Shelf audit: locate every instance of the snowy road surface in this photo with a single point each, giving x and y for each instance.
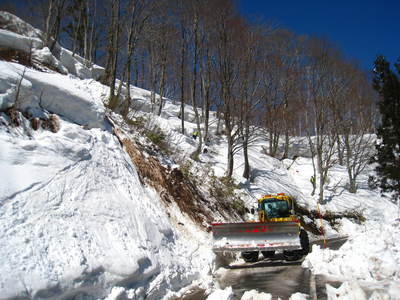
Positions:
(278, 277)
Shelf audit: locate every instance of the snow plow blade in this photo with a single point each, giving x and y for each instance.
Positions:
(256, 236)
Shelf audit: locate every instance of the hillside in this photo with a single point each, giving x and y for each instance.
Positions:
(89, 206)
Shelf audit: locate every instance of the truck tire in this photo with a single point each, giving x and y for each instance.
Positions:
(293, 255)
(298, 254)
(304, 242)
(268, 254)
(251, 256)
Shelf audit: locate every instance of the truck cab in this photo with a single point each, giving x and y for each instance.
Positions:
(275, 208)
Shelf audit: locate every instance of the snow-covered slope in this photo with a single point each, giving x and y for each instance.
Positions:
(75, 217)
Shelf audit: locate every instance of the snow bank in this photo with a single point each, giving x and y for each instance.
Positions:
(31, 46)
(53, 92)
(348, 290)
(19, 35)
(77, 65)
(299, 296)
(254, 295)
(75, 220)
(225, 294)
(352, 290)
(371, 255)
(19, 42)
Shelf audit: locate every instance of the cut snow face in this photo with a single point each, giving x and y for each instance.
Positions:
(16, 34)
(56, 93)
(369, 255)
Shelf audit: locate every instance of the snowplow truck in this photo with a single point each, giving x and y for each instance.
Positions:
(277, 229)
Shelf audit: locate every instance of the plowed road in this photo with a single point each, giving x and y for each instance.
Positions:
(275, 276)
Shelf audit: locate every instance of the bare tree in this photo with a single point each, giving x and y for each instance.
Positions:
(356, 134)
(320, 82)
(250, 92)
(110, 75)
(55, 14)
(195, 32)
(139, 13)
(206, 66)
(273, 118)
(228, 26)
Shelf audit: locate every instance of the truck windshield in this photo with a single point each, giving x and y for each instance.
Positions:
(276, 208)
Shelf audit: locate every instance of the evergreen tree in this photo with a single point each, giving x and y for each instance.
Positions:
(387, 83)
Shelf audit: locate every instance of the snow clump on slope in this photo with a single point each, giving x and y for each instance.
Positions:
(16, 34)
(60, 94)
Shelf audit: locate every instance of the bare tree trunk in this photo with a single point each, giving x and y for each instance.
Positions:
(85, 7)
(273, 141)
(183, 55)
(313, 179)
(270, 143)
(321, 177)
(206, 88)
(55, 31)
(136, 64)
(48, 19)
(92, 37)
(246, 171)
(286, 147)
(195, 62)
(143, 74)
(230, 141)
(115, 26)
(162, 85)
(217, 130)
(339, 151)
(75, 42)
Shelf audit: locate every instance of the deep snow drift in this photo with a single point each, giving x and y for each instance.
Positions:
(76, 220)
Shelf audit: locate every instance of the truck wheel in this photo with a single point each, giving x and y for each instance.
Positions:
(251, 256)
(304, 242)
(268, 254)
(293, 255)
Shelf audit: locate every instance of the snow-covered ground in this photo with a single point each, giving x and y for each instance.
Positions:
(76, 220)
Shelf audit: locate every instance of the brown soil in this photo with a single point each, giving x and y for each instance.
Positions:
(171, 184)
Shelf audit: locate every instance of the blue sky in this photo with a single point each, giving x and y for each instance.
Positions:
(362, 29)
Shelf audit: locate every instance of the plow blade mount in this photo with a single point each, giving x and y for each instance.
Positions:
(256, 236)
